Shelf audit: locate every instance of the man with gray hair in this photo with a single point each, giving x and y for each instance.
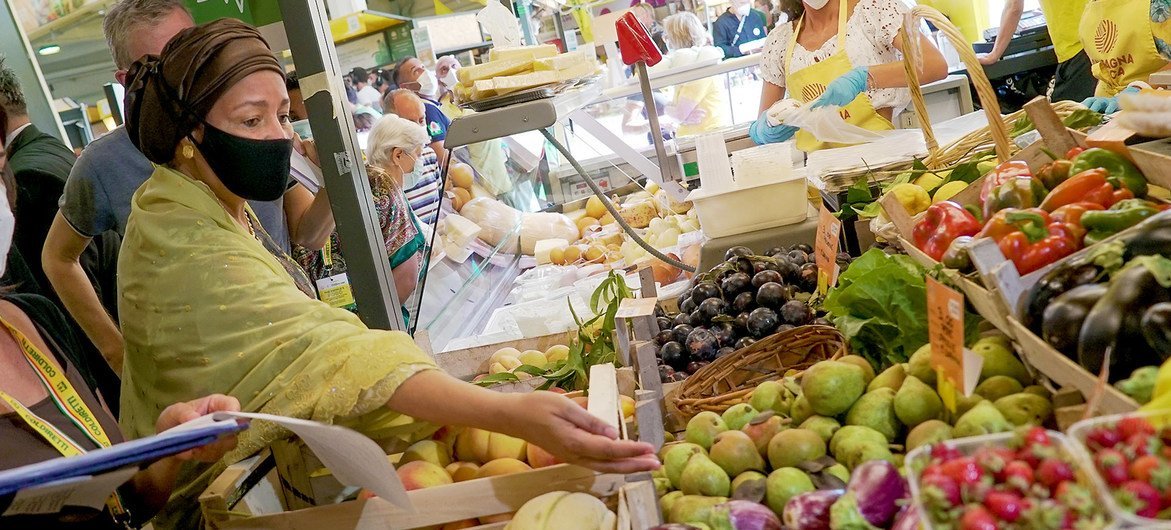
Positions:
(98, 193)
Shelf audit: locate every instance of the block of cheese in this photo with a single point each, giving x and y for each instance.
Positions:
(560, 62)
(545, 246)
(470, 74)
(522, 52)
(484, 88)
(577, 71)
(514, 83)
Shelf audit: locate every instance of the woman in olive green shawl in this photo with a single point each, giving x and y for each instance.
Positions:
(205, 308)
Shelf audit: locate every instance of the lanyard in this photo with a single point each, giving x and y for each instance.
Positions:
(69, 402)
(740, 28)
(327, 254)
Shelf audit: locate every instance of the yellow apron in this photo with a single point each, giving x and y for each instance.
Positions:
(1118, 40)
(807, 84)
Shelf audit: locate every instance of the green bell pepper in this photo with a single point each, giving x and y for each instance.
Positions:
(1122, 173)
(1101, 224)
(1021, 192)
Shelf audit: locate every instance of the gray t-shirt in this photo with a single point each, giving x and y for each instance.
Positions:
(105, 177)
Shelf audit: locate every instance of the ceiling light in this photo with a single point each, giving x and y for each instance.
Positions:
(48, 49)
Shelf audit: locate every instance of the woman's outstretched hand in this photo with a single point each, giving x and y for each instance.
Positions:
(558, 425)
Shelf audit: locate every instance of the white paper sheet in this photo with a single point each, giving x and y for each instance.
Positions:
(88, 491)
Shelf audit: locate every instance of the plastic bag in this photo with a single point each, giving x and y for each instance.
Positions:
(827, 125)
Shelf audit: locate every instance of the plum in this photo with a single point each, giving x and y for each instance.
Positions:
(702, 344)
(736, 252)
(664, 323)
(724, 332)
(766, 276)
(681, 319)
(808, 278)
(798, 257)
(673, 355)
(761, 322)
(724, 351)
(784, 327)
(790, 273)
(774, 251)
(796, 313)
(712, 307)
(681, 331)
(803, 248)
(693, 367)
(687, 306)
(743, 264)
(664, 337)
(735, 283)
(704, 290)
(743, 302)
(744, 342)
(740, 323)
(772, 295)
(696, 318)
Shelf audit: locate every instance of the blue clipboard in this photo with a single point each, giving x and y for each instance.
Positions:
(139, 453)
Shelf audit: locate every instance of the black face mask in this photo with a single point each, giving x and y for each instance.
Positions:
(256, 170)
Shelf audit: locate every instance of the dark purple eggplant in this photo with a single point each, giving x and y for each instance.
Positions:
(1053, 284)
(1062, 321)
(1116, 322)
(810, 511)
(1156, 326)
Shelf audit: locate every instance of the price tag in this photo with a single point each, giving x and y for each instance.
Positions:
(335, 291)
(958, 369)
(825, 249)
(636, 307)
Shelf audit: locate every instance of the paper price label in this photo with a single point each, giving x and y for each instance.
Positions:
(958, 368)
(335, 291)
(825, 249)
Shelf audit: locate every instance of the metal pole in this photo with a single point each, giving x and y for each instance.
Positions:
(341, 163)
(652, 115)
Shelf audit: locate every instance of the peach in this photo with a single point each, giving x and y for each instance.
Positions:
(538, 457)
(420, 474)
(502, 466)
(627, 403)
(502, 446)
(437, 453)
(470, 444)
(461, 471)
(582, 400)
(447, 434)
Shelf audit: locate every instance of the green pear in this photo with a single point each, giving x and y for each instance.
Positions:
(703, 428)
(668, 500)
(676, 458)
(801, 410)
(784, 484)
(877, 411)
(704, 477)
(690, 509)
(998, 386)
(750, 486)
(832, 387)
(928, 432)
(840, 471)
(735, 453)
(860, 362)
(1000, 360)
(762, 428)
(770, 395)
(1024, 409)
(823, 426)
(738, 416)
(891, 378)
(850, 434)
(920, 365)
(984, 418)
(965, 403)
(856, 454)
(916, 403)
(1038, 390)
(662, 486)
(793, 447)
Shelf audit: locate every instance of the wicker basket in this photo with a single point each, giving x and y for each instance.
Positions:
(730, 379)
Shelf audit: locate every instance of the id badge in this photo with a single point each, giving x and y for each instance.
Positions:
(335, 291)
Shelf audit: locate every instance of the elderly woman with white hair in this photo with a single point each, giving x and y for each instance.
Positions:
(393, 161)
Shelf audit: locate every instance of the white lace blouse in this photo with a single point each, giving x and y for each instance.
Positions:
(870, 37)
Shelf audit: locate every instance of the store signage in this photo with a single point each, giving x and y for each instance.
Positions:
(958, 369)
(825, 250)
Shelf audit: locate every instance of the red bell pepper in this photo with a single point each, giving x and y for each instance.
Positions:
(1038, 242)
(1073, 152)
(1003, 173)
(1017, 192)
(1071, 215)
(1088, 186)
(940, 225)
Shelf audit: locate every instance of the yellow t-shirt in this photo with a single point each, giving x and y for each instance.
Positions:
(1062, 17)
(970, 16)
(712, 100)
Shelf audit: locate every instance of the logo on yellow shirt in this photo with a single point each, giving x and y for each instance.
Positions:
(812, 91)
(1106, 36)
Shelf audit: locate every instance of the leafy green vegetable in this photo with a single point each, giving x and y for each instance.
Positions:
(1079, 119)
(880, 305)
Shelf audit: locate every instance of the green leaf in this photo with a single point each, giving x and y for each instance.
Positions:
(1023, 125)
(966, 172)
(1082, 119)
(918, 165)
(859, 192)
(871, 211)
(530, 369)
(502, 377)
(847, 213)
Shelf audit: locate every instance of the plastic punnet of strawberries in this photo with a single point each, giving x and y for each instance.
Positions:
(1134, 461)
(1030, 483)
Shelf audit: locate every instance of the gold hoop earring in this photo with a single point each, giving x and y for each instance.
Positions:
(188, 151)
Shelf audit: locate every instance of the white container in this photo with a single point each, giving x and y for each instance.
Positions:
(1078, 432)
(737, 211)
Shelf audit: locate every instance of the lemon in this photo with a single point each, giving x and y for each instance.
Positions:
(949, 190)
(985, 167)
(594, 207)
(930, 181)
(913, 197)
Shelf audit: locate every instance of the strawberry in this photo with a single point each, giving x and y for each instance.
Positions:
(1112, 465)
(1142, 467)
(1142, 444)
(1052, 471)
(1007, 506)
(963, 470)
(940, 490)
(1018, 474)
(1103, 438)
(942, 452)
(977, 517)
(993, 461)
(1139, 497)
(1131, 426)
(1078, 498)
(1037, 436)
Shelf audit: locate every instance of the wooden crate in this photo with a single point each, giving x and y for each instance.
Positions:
(469, 362)
(1063, 371)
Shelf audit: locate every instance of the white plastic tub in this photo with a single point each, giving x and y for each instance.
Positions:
(780, 203)
(1078, 433)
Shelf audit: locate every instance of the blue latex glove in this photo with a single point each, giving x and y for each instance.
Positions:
(763, 133)
(1107, 105)
(843, 90)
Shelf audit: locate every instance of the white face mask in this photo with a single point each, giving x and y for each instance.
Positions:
(816, 4)
(428, 86)
(450, 79)
(742, 11)
(7, 228)
(412, 177)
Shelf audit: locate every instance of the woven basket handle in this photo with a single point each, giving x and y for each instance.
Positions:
(913, 59)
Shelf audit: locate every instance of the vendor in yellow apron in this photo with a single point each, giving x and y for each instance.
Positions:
(1118, 40)
(807, 84)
